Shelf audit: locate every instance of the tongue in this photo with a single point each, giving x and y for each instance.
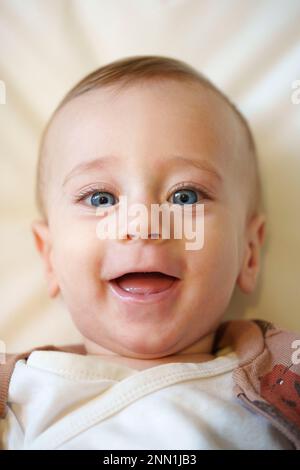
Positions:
(145, 283)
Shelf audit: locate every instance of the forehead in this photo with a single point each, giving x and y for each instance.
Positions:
(142, 123)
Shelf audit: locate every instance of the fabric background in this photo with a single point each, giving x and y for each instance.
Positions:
(248, 48)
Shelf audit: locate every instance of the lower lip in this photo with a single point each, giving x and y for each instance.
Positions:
(129, 297)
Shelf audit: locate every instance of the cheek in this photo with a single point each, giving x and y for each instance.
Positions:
(77, 257)
(216, 264)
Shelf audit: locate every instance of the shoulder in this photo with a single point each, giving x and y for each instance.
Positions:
(9, 360)
(267, 379)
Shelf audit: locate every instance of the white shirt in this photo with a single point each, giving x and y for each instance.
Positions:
(60, 400)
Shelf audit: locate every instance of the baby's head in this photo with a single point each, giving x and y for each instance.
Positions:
(154, 130)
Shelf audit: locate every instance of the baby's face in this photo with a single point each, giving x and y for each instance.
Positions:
(144, 128)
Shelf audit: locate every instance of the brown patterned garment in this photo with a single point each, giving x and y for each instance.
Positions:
(267, 380)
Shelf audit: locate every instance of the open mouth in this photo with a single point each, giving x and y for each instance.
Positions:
(144, 283)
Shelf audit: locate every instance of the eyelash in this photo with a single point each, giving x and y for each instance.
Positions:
(90, 190)
(84, 193)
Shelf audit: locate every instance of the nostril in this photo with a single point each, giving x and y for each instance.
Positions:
(153, 236)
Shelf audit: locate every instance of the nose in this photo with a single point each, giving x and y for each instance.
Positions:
(143, 231)
(142, 225)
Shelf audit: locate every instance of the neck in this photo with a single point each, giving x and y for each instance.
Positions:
(200, 351)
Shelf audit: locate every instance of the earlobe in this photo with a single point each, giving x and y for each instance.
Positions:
(42, 238)
(250, 268)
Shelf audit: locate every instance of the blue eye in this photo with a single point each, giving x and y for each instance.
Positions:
(185, 196)
(102, 199)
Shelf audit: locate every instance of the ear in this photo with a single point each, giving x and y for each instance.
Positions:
(251, 263)
(41, 233)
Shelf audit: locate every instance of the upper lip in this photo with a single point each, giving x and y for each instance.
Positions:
(155, 267)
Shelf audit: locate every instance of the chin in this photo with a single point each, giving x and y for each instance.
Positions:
(140, 347)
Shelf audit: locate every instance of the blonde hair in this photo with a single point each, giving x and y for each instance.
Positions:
(137, 69)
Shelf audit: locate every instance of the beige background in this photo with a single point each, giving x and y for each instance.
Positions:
(249, 48)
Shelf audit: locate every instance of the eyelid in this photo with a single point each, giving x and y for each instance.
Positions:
(190, 186)
(92, 188)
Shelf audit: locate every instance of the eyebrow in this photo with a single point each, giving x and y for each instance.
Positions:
(97, 164)
(200, 164)
(106, 161)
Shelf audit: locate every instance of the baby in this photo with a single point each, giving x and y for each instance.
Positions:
(157, 368)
